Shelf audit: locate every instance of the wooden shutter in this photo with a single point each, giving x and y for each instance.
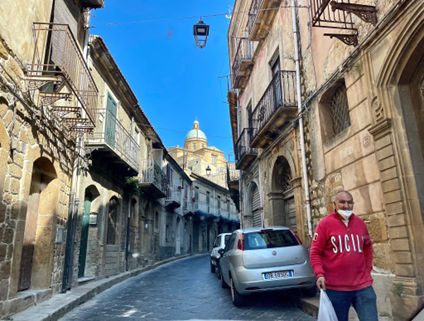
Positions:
(256, 204)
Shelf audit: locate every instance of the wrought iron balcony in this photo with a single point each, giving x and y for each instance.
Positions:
(187, 206)
(324, 15)
(277, 105)
(112, 140)
(243, 63)
(58, 70)
(173, 197)
(245, 155)
(153, 180)
(233, 177)
(261, 15)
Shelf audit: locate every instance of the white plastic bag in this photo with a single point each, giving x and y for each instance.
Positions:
(326, 310)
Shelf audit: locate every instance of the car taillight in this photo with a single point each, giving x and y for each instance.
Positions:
(267, 230)
(296, 237)
(240, 243)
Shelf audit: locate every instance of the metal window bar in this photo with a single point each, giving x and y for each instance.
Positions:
(57, 54)
(253, 12)
(281, 92)
(340, 110)
(323, 16)
(109, 130)
(152, 173)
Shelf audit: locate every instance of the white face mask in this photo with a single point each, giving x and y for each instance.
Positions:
(345, 213)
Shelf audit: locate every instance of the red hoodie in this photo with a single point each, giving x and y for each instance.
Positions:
(342, 254)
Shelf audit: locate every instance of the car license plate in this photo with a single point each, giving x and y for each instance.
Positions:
(278, 275)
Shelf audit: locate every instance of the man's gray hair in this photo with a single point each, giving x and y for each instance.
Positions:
(340, 192)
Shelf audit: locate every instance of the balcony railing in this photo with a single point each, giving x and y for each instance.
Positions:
(153, 179)
(57, 59)
(261, 15)
(110, 131)
(338, 15)
(245, 155)
(233, 175)
(279, 102)
(253, 12)
(173, 196)
(243, 61)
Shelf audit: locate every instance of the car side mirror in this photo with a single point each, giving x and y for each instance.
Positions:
(221, 251)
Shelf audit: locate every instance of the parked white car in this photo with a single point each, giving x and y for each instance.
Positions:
(219, 243)
(265, 259)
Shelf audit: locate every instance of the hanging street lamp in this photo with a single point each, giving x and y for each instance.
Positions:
(201, 33)
(208, 171)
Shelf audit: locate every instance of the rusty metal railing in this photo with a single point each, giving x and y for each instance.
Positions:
(245, 51)
(281, 92)
(57, 55)
(109, 130)
(253, 12)
(152, 173)
(324, 16)
(242, 145)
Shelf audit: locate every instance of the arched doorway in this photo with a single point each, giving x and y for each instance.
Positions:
(90, 194)
(36, 259)
(283, 209)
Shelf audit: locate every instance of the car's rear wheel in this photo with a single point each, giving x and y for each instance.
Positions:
(310, 292)
(237, 298)
(223, 284)
(212, 268)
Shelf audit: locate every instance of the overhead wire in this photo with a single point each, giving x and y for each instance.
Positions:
(183, 18)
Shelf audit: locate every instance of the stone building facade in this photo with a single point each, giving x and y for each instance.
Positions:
(362, 100)
(38, 144)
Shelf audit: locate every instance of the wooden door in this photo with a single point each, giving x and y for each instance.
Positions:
(84, 233)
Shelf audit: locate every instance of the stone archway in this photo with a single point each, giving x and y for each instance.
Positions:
(281, 197)
(398, 117)
(38, 242)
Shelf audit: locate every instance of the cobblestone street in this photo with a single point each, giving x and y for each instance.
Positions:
(183, 290)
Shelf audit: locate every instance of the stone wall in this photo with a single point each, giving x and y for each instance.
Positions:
(29, 145)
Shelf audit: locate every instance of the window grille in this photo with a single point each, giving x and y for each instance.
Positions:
(286, 178)
(339, 110)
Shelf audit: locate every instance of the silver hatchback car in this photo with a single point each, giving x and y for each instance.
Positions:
(265, 259)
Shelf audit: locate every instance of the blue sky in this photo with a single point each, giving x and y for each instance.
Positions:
(173, 80)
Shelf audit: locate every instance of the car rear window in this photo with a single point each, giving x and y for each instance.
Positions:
(269, 239)
(227, 237)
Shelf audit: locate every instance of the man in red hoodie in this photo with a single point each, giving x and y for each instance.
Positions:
(341, 257)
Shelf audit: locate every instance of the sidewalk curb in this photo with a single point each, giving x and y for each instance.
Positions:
(310, 306)
(61, 304)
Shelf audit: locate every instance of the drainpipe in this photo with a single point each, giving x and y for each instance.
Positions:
(302, 136)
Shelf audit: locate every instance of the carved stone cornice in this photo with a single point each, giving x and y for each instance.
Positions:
(381, 129)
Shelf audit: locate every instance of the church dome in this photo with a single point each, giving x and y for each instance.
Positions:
(196, 132)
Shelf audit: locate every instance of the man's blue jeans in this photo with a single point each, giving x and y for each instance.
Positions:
(364, 301)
